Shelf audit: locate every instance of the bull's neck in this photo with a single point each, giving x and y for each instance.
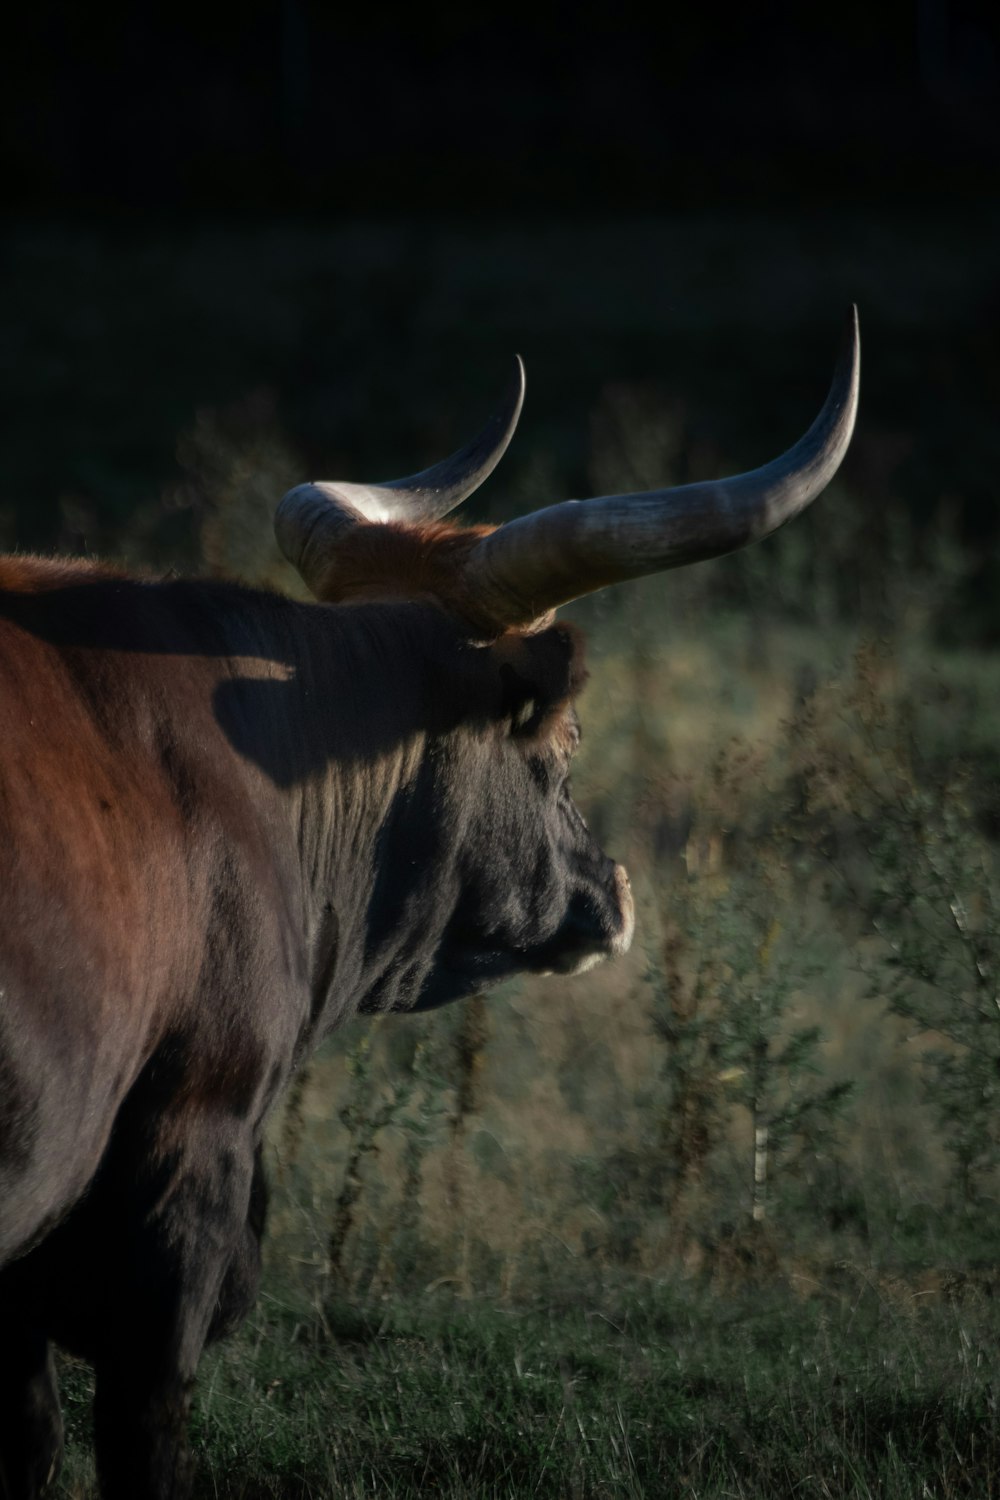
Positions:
(361, 716)
(344, 821)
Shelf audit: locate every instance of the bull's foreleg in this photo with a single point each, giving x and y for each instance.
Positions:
(242, 1279)
(31, 1426)
(179, 1258)
(140, 1433)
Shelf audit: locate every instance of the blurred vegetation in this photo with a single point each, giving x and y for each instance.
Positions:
(722, 1215)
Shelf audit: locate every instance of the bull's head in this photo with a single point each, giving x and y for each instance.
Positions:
(546, 897)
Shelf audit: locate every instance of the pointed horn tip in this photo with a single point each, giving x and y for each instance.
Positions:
(852, 328)
(847, 372)
(508, 414)
(519, 381)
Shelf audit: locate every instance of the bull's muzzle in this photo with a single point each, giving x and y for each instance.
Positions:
(621, 940)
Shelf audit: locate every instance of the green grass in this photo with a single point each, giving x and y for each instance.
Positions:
(866, 1388)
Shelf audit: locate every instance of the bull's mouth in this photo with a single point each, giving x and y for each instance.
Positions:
(460, 971)
(622, 940)
(599, 924)
(595, 928)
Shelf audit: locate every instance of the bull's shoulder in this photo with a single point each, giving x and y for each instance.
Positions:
(29, 574)
(98, 608)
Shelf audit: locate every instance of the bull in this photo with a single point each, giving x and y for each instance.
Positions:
(230, 821)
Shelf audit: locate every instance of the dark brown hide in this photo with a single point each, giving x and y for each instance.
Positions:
(227, 822)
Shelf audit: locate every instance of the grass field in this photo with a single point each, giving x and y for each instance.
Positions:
(846, 1385)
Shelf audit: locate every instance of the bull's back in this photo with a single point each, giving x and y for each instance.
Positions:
(95, 891)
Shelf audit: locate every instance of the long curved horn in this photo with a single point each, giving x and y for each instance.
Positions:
(312, 518)
(534, 564)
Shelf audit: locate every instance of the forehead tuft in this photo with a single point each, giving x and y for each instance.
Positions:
(395, 560)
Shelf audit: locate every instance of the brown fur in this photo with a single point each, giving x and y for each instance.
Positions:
(396, 560)
(28, 574)
(228, 822)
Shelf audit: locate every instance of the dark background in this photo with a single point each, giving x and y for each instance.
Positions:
(340, 110)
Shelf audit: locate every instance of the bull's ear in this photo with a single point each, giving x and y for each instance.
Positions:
(538, 675)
